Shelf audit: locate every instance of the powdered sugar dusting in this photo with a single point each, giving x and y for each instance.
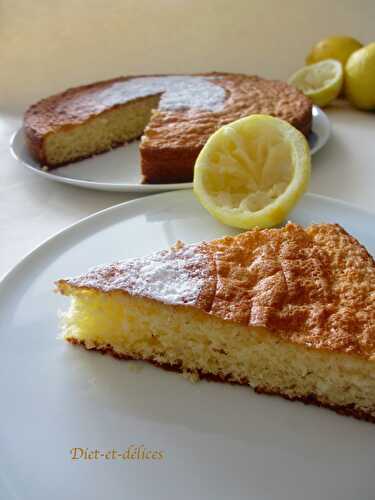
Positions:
(178, 92)
(173, 277)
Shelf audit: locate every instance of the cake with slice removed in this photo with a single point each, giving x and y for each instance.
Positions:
(174, 115)
(288, 311)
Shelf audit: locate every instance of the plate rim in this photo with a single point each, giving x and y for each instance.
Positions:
(93, 185)
(327, 123)
(142, 188)
(139, 201)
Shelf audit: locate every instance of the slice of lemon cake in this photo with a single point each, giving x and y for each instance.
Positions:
(288, 311)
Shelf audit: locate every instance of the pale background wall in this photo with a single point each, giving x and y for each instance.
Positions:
(47, 45)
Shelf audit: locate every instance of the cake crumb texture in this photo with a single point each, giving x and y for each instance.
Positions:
(314, 287)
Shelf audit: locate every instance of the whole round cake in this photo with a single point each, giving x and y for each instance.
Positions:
(172, 114)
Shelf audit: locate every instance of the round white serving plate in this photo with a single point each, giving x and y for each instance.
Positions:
(219, 441)
(119, 169)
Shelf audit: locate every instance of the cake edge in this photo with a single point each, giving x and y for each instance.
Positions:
(311, 399)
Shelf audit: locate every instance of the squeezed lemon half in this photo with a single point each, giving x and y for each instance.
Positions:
(252, 172)
(322, 82)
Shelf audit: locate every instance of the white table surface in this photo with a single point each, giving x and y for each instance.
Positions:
(32, 209)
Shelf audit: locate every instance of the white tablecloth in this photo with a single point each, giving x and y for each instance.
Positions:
(32, 209)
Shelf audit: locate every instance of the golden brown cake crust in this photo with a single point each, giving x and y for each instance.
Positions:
(348, 410)
(173, 137)
(176, 138)
(313, 287)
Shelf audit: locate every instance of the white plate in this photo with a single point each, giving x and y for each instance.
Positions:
(119, 169)
(220, 441)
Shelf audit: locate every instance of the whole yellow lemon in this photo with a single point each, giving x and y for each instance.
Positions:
(360, 78)
(333, 47)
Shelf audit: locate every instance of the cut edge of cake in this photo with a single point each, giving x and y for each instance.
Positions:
(98, 134)
(277, 367)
